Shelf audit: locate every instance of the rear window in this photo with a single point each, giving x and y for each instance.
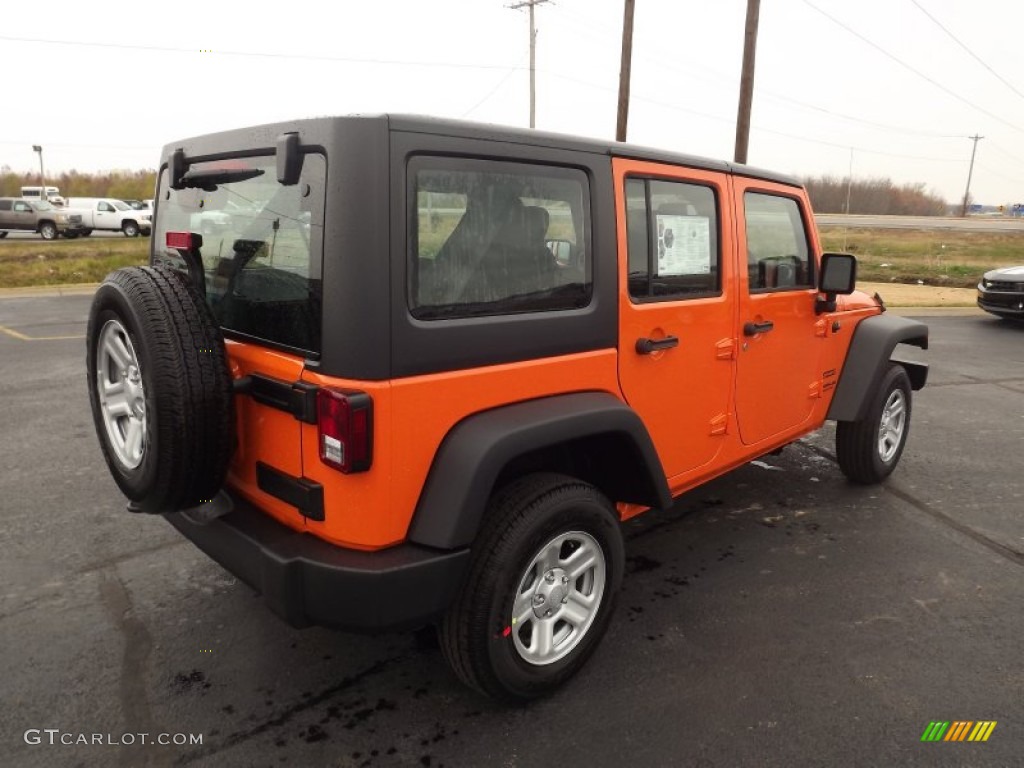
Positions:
(262, 247)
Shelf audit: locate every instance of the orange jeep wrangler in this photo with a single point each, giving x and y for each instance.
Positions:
(393, 371)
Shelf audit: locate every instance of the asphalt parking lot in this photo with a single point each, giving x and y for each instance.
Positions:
(776, 617)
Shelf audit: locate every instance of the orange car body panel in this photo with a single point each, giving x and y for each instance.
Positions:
(699, 401)
(372, 510)
(265, 434)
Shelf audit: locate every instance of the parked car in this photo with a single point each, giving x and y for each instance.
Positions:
(105, 213)
(432, 367)
(19, 214)
(1001, 292)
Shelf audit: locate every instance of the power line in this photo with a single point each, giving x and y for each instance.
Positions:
(884, 127)
(917, 72)
(494, 90)
(1002, 176)
(998, 148)
(717, 76)
(973, 55)
(256, 54)
(731, 121)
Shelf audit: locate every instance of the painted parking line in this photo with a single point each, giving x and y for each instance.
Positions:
(22, 337)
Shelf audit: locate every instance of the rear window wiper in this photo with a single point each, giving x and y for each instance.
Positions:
(209, 179)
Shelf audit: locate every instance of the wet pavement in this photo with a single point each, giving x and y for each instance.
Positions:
(777, 616)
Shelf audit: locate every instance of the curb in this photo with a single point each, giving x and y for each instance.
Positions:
(87, 289)
(49, 291)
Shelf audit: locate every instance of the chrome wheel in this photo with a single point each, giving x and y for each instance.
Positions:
(121, 395)
(892, 425)
(558, 597)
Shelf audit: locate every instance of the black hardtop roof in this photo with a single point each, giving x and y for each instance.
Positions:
(314, 130)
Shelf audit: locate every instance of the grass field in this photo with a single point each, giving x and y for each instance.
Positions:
(935, 257)
(60, 262)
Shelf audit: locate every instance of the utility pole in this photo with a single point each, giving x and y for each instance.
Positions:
(533, 55)
(747, 81)
(967, 192)
(624, 73)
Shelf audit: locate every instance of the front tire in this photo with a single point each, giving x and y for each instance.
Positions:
(540, 591)
(130, 229)
(48, 230)
(869, 450)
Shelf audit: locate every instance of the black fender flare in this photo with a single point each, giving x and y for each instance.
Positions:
(474, 453)
(869, 354)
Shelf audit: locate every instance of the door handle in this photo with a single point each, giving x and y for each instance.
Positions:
(752, 329)
(647, 346)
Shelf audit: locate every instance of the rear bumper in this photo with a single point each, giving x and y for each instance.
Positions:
(306, 581)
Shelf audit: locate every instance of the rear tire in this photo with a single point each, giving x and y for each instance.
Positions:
(869, 450)
(540, 591)
(3, 235)
(159, 388)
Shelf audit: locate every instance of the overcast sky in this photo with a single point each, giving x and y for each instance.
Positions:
(878, 82)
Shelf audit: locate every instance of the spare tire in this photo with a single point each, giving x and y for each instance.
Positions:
(160, 389)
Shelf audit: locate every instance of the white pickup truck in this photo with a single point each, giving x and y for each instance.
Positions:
(107, 213)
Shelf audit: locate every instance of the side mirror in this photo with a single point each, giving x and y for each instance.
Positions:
(838, 276)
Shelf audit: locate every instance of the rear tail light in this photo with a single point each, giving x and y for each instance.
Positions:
(345, 429)
(184, 241)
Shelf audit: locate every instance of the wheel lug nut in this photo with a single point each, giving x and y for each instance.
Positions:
(538, 600)
(547, 612)
(549, 577)
(565, 600)
(565, 579)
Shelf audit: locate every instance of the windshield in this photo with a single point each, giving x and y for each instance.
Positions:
(261, 247)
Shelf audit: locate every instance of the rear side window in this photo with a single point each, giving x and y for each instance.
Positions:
(778, 257)
(262, 247)
(493, 238)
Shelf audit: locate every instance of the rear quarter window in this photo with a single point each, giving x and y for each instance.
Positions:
(494, 238)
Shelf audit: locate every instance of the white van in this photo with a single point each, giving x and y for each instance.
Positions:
(52, 195)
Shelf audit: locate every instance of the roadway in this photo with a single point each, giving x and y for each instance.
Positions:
(970, 224)
(776, 617)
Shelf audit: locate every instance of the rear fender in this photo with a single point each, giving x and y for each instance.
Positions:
(476, 453)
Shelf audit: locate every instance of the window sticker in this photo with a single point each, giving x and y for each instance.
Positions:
(684, 245)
